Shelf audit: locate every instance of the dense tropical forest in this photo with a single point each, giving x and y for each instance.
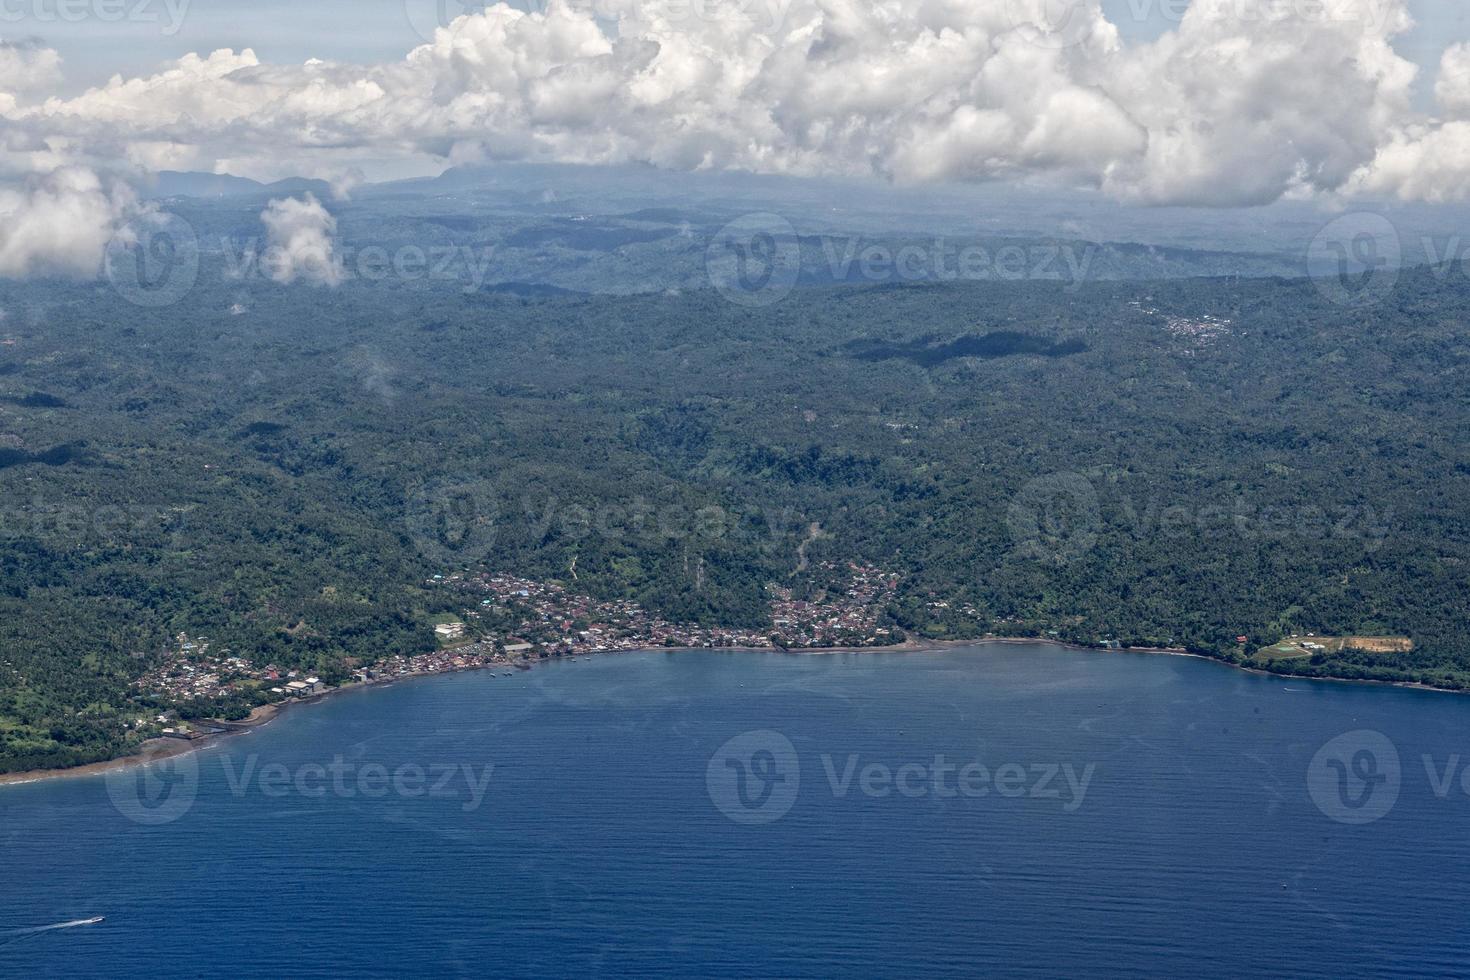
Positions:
(1179, 463)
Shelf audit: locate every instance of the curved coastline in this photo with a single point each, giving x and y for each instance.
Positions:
(151, 751)
(165, 748)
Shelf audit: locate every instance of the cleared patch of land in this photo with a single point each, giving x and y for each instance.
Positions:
(1306, 646)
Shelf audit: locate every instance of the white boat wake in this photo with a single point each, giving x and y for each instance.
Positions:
(16, 935)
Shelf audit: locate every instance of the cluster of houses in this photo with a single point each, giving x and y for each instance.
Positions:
(190, 670)
(838, 616)
(1198, 331)
(469, 656)
(549, 618)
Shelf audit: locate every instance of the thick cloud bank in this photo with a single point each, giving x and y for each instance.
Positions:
(59, 224)
(1243, 102)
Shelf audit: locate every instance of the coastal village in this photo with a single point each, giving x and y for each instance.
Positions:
(546, 620)
(552, 618)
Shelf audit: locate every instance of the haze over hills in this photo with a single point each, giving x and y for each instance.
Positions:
(496, 201)
(1169, 462)
(174, 183)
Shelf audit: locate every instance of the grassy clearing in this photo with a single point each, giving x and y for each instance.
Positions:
(1305, 646)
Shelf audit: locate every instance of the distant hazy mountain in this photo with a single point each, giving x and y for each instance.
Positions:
(526, 205)
(176, 183)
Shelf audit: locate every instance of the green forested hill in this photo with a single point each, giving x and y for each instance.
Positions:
(1165, 463)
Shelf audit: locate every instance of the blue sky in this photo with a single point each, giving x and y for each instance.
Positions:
(278, 30)
(376, 30)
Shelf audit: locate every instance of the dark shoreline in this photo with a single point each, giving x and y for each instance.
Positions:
(157, 749)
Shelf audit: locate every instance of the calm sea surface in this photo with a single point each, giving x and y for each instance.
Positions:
(1002, 810)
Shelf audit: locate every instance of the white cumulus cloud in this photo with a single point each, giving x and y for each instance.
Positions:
(299, 242)
(60, 223)
(27, 66)
(1239, 103)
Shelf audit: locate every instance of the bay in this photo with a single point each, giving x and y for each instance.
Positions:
(1013, 810)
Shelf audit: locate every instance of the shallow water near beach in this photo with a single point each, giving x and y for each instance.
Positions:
(1012, 810)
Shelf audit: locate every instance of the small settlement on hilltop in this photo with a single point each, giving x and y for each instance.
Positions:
(1195, 332)
(545, 619)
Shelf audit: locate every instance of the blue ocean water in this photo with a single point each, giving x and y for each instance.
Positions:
(1006, 810)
